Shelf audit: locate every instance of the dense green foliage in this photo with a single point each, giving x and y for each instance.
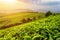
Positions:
(45, 29)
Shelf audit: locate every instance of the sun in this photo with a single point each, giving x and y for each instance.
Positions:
(10, 1)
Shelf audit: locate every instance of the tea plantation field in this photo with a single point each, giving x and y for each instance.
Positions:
(19, 18)
(43, 29)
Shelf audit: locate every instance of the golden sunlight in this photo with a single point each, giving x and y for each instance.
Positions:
(10, 1)
(12, 6)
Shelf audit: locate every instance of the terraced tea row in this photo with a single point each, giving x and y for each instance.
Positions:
(19, 18)
(45, 29)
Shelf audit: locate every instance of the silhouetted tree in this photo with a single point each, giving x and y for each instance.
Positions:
(23, 21)
(28, 20)
(48, 14)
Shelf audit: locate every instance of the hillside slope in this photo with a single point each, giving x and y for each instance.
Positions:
(19, 18)
(45, 29)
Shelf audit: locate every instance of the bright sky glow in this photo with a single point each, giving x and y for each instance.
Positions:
(50, 1)
(35, 5)
(10, 1)
(11, 6)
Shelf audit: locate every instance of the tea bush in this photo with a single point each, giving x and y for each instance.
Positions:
(45, 29)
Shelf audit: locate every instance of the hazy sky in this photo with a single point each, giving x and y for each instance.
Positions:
(44, 5)
(36, 5)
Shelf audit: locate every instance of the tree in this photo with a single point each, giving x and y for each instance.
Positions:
(23, 21)
(28, 19)
(48, 14)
